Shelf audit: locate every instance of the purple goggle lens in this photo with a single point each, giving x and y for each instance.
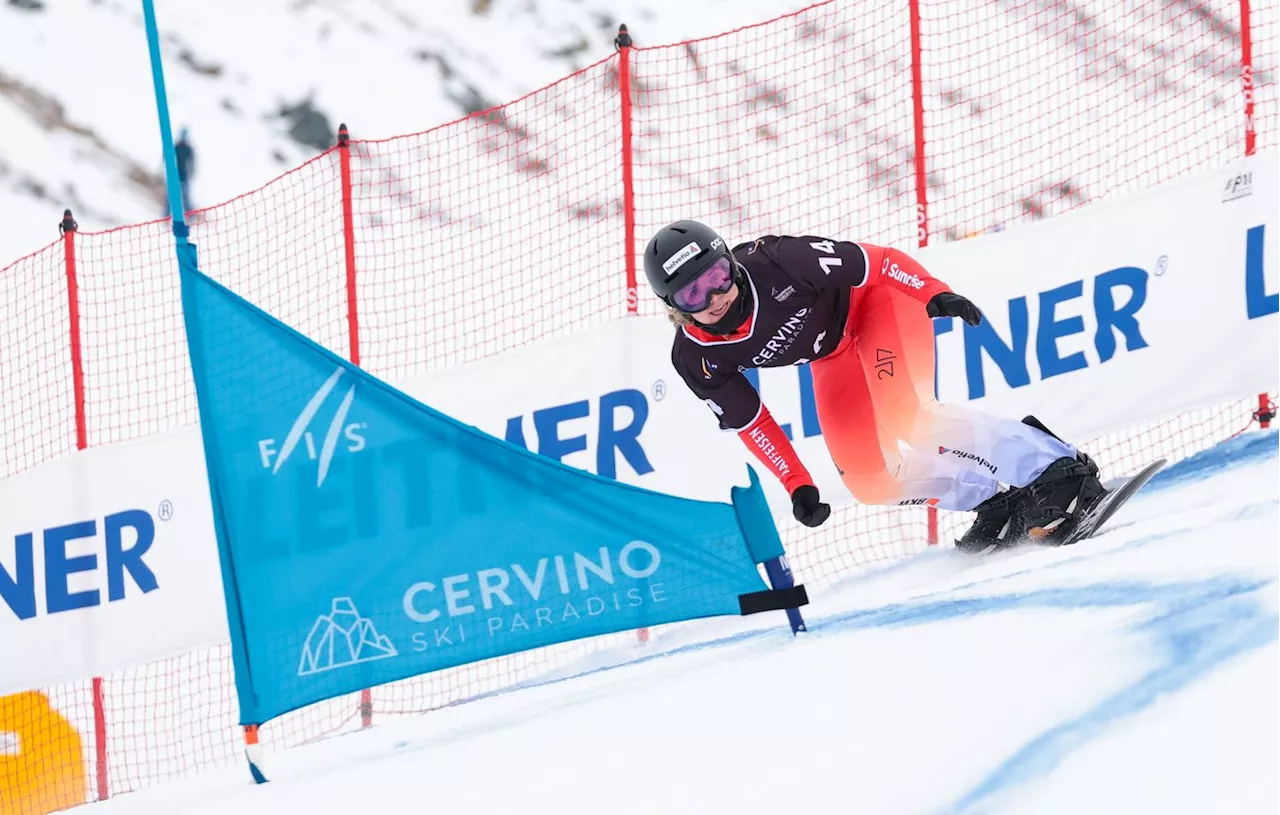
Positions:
(695, 296)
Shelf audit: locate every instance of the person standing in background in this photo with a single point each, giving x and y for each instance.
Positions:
(186, 156)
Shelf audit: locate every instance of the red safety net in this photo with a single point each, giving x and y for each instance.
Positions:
(1264, 69)
(511, 226)
(491, 232)
(1034, 130)
(38, 408)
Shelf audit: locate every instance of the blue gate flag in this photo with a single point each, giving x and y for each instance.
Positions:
(365, 537)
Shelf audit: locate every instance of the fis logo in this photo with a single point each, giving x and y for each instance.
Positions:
(899, 274)
(1238, 186)
(709, 368)
(300, 434)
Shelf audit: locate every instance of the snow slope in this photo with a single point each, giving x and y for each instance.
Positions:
(263, 85)
(1135, 672)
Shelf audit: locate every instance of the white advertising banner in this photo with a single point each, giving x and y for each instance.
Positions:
(107, 560)
(1103, 319)
(1122, 312)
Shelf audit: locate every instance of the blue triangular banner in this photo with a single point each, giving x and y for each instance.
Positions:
(365, 537)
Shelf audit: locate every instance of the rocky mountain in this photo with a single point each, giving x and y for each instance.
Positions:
(262, 85)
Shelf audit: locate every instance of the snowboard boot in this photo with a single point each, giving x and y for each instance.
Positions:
(994, 523)
(1066, 490)
(1042, 511)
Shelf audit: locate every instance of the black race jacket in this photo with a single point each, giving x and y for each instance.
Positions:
(802, 288)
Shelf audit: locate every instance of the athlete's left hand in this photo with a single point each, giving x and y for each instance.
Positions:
(950, 304)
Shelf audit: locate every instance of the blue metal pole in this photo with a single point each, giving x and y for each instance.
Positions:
(187, 262)
(172, 184)
(779, 573)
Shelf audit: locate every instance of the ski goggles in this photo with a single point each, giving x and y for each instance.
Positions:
(696, 295)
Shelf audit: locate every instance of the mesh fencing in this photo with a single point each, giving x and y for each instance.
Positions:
(508, 227)
(38, 411)
(492, 232)
(1054, 127)
(803, 120)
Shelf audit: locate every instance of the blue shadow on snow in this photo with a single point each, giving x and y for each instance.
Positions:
(1197, 625)
(1246, 448)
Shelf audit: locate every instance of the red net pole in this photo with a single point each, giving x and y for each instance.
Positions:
(366, 708)
(68, 227)
(917, 102)
(100, 736)
(1250, 142)
(353, 322)
(1246, 75)
(349, 242)
(922, 192)
(623, 43)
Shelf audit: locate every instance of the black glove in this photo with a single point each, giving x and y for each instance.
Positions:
(950, 304)
(807, 508)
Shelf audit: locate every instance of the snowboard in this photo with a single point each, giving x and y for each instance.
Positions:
(1094, 518)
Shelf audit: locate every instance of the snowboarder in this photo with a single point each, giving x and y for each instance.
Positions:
(861, 315)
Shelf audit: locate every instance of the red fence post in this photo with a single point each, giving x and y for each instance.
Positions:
(349, 243)
(100, 737)
(623, 44)
(1246, 76)
(922, 191)
(353, 322)
(917, 104)
(68, 227)
(1265, 412)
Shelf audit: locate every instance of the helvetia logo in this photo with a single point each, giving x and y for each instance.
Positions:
(353, 433)
(979, 460)
(680, 258)
(340, 638)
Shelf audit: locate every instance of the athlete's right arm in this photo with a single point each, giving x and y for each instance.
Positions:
(738, 407)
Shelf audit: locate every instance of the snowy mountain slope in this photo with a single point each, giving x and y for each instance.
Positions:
(263, 85)
(1134, 672)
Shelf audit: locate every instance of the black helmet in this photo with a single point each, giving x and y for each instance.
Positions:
(678, 253)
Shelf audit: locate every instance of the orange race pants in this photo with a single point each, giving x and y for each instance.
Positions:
(877, 390)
